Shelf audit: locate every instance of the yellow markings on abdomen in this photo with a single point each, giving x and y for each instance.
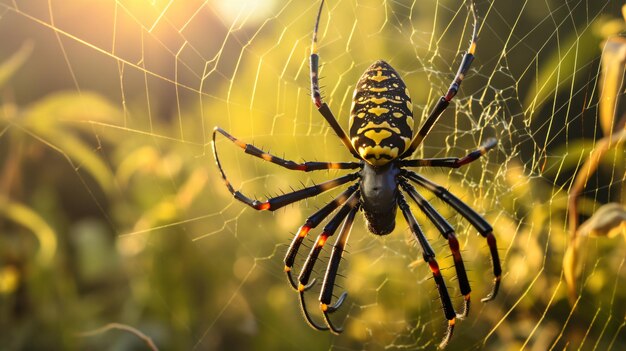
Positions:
(372, 125)
(378, 77)
(377, 152)
(378, 110)
(378, 101)
(377, 90)
(407, 141)
(410, 122)
(381, 120)
(375, 100)
(377, 137)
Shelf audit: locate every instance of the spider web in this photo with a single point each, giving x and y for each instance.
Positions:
(108, 116)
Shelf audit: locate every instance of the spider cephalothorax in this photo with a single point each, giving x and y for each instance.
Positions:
(381, 139)
(379, 194)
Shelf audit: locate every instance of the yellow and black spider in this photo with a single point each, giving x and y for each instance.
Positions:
(381, 138)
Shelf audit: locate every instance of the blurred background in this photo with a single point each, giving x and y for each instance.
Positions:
(117, 232)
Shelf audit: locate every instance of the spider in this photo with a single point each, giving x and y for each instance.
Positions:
(381, 139)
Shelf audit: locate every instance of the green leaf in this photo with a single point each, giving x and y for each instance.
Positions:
(608, 221)
(51, 119)
(30, 219)
(13, 63)
(613, 60)
(66, 107)
(81, 155)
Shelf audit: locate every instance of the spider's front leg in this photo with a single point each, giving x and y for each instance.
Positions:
(452, 162)
(277, 202)
(444, 101)
(316, 95)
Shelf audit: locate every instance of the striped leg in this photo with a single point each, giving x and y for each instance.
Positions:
(452, 162)
(294, 166)
(476, 220)
(444, 101)
(272, 204)
(307, 269)
(313, 221)
(275, 203)
(429, 257)
(447, 232)
(316, 95)
(331, 273)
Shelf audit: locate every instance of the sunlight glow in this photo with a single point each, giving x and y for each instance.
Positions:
(244, 11)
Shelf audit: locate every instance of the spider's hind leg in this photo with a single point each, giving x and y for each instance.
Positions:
(331, 273)
(307, 269)
(429, 257)
(477, 221)
(447, 232)
(313, 221)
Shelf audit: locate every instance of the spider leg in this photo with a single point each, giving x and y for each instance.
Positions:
(322, 107)
(294, 166)
(307, 269)
(274, 203)
(476, 220)
(444, 101)
(277, 202)
(447, 232)
(429, 257)
(452, 162)
(309, 224)
(331, 273)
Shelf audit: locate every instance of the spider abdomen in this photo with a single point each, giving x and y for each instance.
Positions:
(381, 119)
(379, 192)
